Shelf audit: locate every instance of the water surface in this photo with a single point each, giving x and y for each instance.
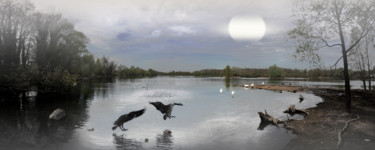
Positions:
(208, 120)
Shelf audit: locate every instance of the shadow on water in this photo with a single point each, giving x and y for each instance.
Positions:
(25, 123)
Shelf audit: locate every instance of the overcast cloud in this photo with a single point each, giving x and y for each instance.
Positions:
(182, 35)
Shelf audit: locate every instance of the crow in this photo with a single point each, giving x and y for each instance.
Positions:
(165, 109)
(126, 117)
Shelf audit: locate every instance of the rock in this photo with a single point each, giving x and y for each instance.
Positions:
(146, 140)
(92, 129)
(367, 140)
(57, 114)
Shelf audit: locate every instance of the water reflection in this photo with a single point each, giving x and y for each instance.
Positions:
(125, 143)
(164, 141)
(209, 119)
(25, 123)
(227, 83)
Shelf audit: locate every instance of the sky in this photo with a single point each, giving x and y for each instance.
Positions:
(182, 35)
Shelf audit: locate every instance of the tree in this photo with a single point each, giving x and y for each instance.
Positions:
(275, 72)
(15, 31)
(57, 42)
(227, 72)
(331, 23)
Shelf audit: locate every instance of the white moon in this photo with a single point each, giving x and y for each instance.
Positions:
(247, 28)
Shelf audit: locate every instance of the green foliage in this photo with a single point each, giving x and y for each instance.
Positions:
(227, 72)
(56, 78)
(275, 72)
(134, 72)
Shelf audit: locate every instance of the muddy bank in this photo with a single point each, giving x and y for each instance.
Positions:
(320, 129)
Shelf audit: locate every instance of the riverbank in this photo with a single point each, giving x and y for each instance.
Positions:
(320, 130)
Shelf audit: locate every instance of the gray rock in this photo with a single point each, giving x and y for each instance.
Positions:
(57, 114)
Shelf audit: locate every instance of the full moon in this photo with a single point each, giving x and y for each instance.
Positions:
(246, 28)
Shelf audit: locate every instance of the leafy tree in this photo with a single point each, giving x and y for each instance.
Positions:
(227, 72)
(275, 72)
(57, 42)
(331, 23)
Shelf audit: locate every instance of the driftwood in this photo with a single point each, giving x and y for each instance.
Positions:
(266, 118)
(293, 110)
(342, 130)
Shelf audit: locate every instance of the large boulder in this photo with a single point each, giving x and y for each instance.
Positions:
(57, 114)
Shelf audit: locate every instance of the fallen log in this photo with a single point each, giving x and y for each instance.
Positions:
(265, 117)
(293, 110)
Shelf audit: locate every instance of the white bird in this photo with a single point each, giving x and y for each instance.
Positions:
(252, 84)
(263, 83)
(221, 90)
(246, 85)
(232, 93)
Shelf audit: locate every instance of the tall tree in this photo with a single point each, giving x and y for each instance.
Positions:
(15, 31)
(227, 72)
(331, 23)
(57, 42)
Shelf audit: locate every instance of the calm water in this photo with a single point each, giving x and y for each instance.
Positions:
(208, 119)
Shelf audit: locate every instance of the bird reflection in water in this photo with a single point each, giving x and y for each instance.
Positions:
(125, 144)
(164, 141)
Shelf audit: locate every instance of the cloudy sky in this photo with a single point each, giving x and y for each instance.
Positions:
(183, 35)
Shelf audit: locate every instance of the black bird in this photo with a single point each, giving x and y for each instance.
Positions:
(165, 109)
(126, 117)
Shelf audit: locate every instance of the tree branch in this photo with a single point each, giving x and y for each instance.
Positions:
(335, 65)
(356, 42)
(328, 44)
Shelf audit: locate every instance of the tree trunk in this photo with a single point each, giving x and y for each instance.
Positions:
(345, 60)
(364, 83)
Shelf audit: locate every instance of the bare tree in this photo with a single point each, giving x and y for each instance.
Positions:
(359, 61)
(331, 23)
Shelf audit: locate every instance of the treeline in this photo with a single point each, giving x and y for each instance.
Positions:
(45, 50)
(273, 72)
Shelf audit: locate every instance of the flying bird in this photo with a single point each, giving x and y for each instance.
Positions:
(126, 117)
(165, 109)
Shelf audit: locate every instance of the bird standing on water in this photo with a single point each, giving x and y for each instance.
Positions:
(221, 90)
(165, 109)
(126, 117)
(232, 93)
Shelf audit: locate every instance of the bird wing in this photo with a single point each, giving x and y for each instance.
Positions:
(159, 106)
(126, 117)
(138, 113)
(180, 104)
